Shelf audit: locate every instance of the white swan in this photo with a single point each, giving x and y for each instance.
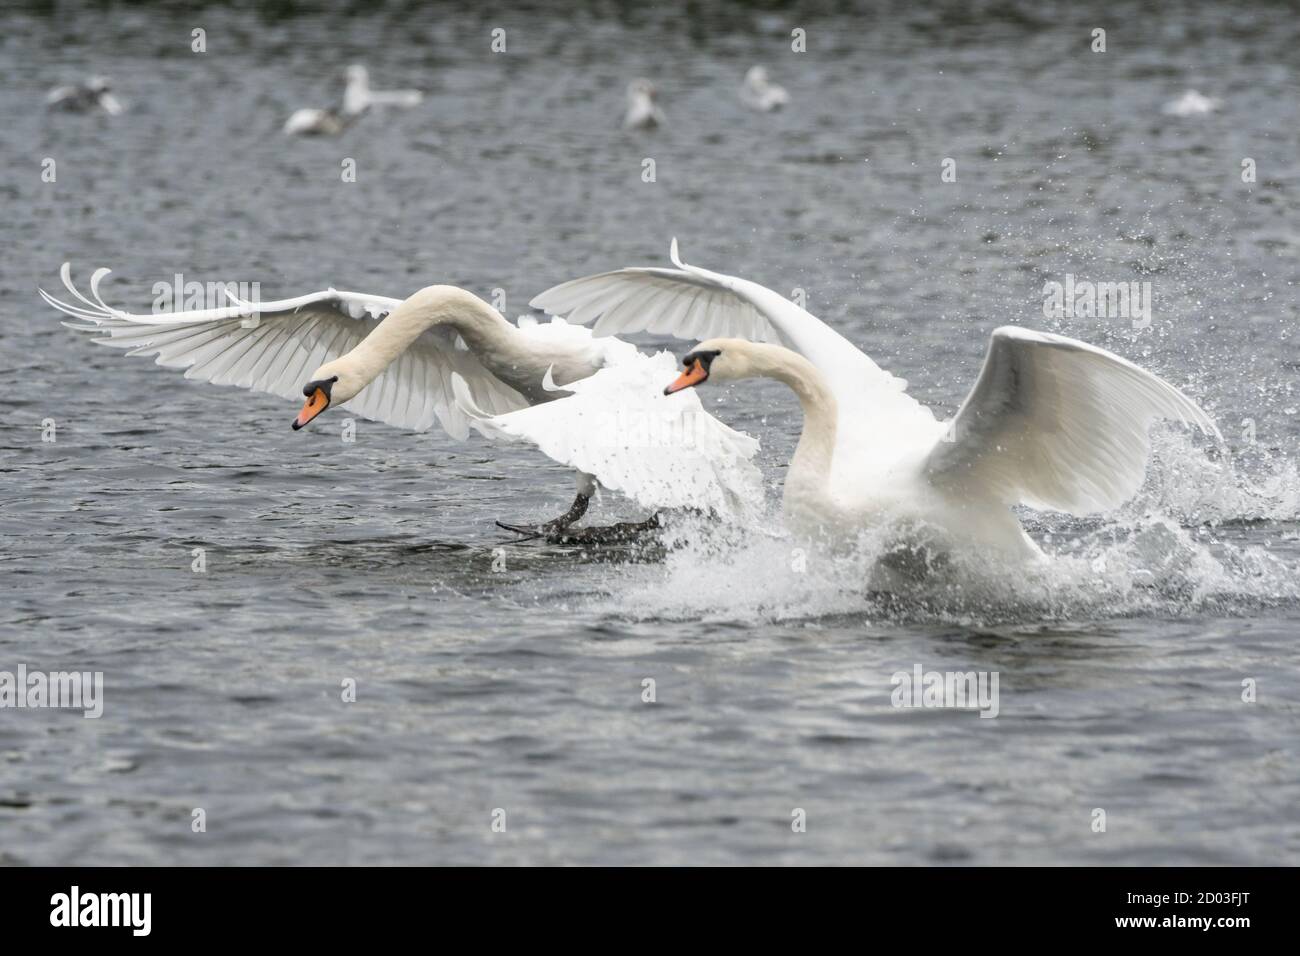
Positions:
(759, 93)
(357, 98)
(407, 362)
(94, 93)
(1051, 423)
(643, 110)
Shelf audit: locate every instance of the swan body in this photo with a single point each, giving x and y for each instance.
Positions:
(643, 110)
(1051, 422)
(760, 93)
(413, 363)
(94, 94)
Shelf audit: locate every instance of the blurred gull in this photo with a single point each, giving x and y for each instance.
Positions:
(359, 95)
(761, 94)
(1191, 103)
(642, 110)
(357, 98)
(84, 97)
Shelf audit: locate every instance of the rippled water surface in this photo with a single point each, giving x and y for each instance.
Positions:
(520, 687)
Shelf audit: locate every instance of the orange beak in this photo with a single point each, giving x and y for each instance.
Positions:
(694, 374)
(318, 402)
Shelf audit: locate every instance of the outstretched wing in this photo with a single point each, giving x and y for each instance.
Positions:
(274, 346)
(694, 303)
(619, 426)
(1056, 424)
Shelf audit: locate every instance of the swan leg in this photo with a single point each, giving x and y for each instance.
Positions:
(623, 532)
(555, 525)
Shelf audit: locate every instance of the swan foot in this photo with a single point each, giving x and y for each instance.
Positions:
(624, 532)
(555, 525)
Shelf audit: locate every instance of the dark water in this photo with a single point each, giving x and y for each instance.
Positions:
(1121, 667)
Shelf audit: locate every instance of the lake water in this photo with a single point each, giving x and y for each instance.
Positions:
(519, 687)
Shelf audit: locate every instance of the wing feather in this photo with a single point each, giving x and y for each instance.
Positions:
(1054, 423)
(690, 302)
(289, 339)
(619, 426)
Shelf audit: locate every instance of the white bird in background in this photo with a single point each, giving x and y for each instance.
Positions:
(413, 363)
(643, 110)
(1051, 423)
(358, 97)
(94, 93)
(761, 94)
(1191, 103)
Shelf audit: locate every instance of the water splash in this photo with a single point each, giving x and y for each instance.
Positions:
(1179, 549)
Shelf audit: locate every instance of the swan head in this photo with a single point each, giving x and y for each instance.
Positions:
(756, 78)
(356, 73)
(332, 384)
(717, 360)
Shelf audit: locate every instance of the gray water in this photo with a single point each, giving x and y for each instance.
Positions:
(520, 688)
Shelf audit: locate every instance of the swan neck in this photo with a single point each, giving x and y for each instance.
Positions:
(809, 472)
(482, 327)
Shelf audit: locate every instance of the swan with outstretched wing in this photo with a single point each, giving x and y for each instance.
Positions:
(416, 362)
(1051, 423)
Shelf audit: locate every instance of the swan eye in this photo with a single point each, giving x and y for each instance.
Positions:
(705, 357)
(324, 384)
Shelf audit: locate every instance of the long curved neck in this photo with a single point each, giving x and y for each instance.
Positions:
(809, 473)
(481, 326)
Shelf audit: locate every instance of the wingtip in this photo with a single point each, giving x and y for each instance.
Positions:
(464, 399)
(674, 255)
(1208, 425)
(548, 380)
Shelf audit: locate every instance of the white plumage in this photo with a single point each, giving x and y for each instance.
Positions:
(358, 97)
(274, 346)
(760, 93)
(643, 110)
(619, 425)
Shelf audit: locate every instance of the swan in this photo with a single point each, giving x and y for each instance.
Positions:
(643, 110)
(1051, 423)
(358, 97)
(94, 93)
(418, 361)
(760, 93)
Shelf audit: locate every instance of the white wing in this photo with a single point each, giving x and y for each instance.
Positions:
(619, 426)
(1056, 424)
(693, 303)
(274, 346)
